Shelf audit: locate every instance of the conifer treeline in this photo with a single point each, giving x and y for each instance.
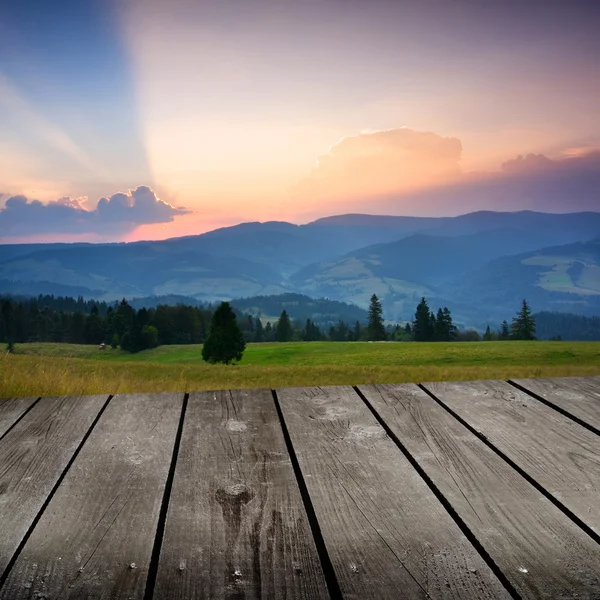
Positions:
(77, 321)
(50, 319)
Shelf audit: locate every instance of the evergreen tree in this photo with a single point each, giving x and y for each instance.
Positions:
(268, 332)
(311, 332)
(225, 342)
(422, 327)
(444, 328)
(487, 336)
(259, 332)
(357, 331)
(341, 332)
(441, 333)
(450, 326)
(375, 327)
(523, 325)
(504, 332)
(283, 329)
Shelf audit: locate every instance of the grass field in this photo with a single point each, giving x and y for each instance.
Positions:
(66, 369)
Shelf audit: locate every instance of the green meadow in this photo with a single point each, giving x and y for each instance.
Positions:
(67, 369)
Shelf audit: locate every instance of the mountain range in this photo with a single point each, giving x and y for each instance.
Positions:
(480, 265)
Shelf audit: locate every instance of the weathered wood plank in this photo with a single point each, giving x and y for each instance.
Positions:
(542, 552)
(11, 410)
(236, 525)
(385, 531)
(578, 396)
(33, 456)
(560, 455)
(96, 536)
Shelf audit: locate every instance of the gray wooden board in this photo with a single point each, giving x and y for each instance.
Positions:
(33, 456)
(236, 525)
(385, 531)
(11, 410)
(559, 454)
(579, 396)
(542, 552)
(96, 536)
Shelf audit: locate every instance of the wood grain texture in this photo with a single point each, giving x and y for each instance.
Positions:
(559, 454)
(96, 536)
(386, 533)
(236, 526)
(11, 409)
(579, 396)
(542, 552)
(33, 456)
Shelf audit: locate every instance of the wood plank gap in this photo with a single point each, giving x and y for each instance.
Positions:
(164, 509)
(444, 501)
(555, 407)
(595, 536)
(333, 586)
(13, 560)
(19, 419)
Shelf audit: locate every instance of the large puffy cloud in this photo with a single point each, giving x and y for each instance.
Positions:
(112, 216)
(401, 171)
(379, 162)
(533, 182)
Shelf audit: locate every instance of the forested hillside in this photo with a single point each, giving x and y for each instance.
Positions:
(567, 326)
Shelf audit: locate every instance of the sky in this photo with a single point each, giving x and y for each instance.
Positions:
(141, 119)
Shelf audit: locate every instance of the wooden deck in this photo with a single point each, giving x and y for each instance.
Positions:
(468, 490)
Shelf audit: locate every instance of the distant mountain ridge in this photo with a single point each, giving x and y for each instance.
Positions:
(478, 264)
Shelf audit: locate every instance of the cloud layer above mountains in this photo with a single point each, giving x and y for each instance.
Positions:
(398, 172)
(116, 215)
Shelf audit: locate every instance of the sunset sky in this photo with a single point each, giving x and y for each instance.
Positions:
(152, 118)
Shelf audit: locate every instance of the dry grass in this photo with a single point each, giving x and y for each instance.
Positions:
(23, 375)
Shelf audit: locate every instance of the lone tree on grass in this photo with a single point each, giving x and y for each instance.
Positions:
(523, 325)
(225, 342)
(375, 328)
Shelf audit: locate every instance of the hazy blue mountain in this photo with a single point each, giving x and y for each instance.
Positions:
(560, 278)
(345, 257)
(140, 269)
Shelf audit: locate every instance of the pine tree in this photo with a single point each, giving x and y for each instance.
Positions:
(504, 332)
(422, 329)
(375, 327)
(441, 333)
(268, 332)
(259, 332)
(225, 342)
(357, 331)
(311, 332)
(523, 325)
(444, 329)
(487, 336)
(450, 326)
(283, 330)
